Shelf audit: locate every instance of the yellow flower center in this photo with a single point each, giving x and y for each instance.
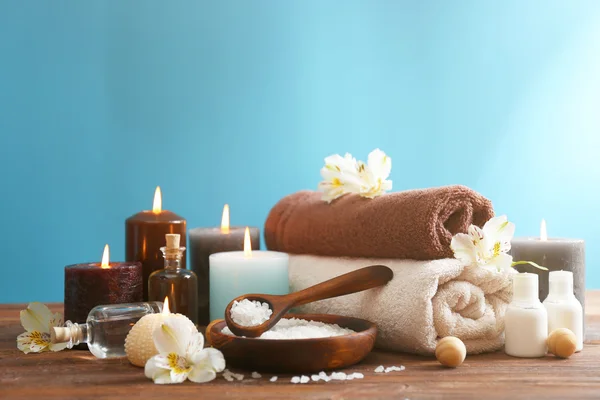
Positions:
(178, 364)
(40, 339)
(336, 182)
(496, 249)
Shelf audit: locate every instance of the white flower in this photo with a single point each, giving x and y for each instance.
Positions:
(343, 175)
(487, 247)
(340, 176)
(38, 320)
(182, 355)
(375, 174)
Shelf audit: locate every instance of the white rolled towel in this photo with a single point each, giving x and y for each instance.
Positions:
(425, 301)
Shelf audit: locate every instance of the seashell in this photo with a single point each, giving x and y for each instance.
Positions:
(139, 345)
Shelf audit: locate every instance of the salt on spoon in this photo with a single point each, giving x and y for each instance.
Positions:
(352, 282)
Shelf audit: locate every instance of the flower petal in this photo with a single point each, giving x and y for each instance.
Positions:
(156, 365)
(56, 320)
(504, 262)
(24, 342)
(36, 317)
(195, 345)
(201, 375)
(379, 164)
(209, 358)
(33, 342)
(163, 378)
(501, 263)
(58, 346)
(464, 249)
(172, 336)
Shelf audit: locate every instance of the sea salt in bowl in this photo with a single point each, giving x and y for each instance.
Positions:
(297, 355)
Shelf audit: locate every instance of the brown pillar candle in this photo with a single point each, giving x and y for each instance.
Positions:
(93, 284)
(145, 235)
(207, 241)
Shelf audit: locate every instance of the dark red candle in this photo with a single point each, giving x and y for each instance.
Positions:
(145, 235)
(93, 284)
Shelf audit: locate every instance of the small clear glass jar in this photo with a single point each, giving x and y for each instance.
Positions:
(106, 328)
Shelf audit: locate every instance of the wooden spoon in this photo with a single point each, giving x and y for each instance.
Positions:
(352, 282)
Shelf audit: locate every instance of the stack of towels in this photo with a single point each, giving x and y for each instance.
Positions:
(431, 295)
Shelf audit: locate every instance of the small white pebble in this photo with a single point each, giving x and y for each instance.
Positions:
(349, 377)
(323, 375)
(228, 378)
(295, 379)
(273, 379)
(239, 377)
(315, 378)
(256, 375)
(358, 375)
(304, 379)
(381, 368)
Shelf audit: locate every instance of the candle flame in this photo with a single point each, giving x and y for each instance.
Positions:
(166, 310)
(247, 244)
(157, 204)
(105, 257)
(543, 231)
(225, 219)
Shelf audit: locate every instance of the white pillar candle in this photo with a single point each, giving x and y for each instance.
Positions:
(236, 273)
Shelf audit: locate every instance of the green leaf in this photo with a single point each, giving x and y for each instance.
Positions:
(530, 263)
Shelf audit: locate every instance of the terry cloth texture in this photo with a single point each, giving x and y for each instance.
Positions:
(425, 301)
(414, 224)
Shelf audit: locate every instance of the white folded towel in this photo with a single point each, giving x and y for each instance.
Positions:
(425, 301)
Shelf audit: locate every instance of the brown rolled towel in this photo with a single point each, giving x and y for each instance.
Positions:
(414, 224)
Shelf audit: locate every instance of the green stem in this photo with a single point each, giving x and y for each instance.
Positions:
(530, 263)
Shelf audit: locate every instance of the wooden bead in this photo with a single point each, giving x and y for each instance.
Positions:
(562, 343)
(450, 351)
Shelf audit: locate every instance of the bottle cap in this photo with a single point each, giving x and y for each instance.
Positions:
(525, 287)
(561, 282)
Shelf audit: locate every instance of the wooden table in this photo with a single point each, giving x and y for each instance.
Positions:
(72, 374)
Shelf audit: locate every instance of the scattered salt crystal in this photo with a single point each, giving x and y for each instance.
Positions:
(273, 379)
(394, 368)
(250, 313)
(228, 378)
(339, 376)
(315, 378)
(381, 368)
(295, 379)
(349, 377)
(358, 375)
(295, 328)
(323, 375)
(256, 375)
(304, 379)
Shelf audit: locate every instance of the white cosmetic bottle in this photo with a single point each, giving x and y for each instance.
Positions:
(526, 319)
(564, 310)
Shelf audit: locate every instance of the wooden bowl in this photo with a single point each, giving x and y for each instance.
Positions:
(297, 355)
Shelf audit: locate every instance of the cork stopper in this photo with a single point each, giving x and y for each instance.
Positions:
(173, 241)
(60, 335)
(172, 249)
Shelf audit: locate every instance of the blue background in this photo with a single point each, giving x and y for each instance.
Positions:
(239, 102)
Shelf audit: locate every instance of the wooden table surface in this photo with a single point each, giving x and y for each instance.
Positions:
(73, 374)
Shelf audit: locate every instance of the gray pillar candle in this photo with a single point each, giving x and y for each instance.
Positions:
(556, 254)
(206, 241)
